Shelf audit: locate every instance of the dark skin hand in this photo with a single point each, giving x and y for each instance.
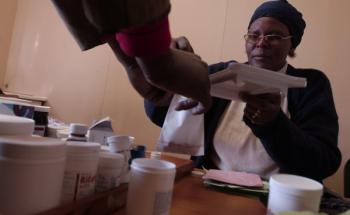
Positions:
(154, 94)
(261, 109)
(157, 96)
(183, 44)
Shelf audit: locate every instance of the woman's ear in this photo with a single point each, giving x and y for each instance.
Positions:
(291, 52)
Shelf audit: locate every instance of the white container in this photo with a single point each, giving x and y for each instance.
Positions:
(81, 168)
(156, 155)
(14, 125)
(31, 174)
(151, 186)
(122, 144)
(110, 166)
(77, 132)
(293, 193)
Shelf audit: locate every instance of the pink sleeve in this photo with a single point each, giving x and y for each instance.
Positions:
(150, 40)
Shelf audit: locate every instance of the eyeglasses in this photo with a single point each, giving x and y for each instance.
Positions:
(270, 38)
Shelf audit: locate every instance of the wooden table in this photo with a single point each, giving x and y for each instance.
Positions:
(190, 197)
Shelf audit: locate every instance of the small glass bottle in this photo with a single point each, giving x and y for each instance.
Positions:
(77, 132)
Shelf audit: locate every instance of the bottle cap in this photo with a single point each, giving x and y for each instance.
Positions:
(76, 128)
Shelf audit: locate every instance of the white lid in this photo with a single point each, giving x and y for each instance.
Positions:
(121, 139)
(112, 160)
(80, 148)
(77, 128)
(155, 155)
(31, 148)
(42, 108)
(14, 125)
(120, 143)
(295, 185)
(153, 165)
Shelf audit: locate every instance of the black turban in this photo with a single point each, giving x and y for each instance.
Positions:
(285, 13)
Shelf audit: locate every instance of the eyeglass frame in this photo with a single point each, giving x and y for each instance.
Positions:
(266, 38)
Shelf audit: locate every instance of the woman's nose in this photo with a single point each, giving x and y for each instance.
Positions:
(261, 42)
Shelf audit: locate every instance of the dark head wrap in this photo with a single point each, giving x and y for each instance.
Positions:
(285, 13)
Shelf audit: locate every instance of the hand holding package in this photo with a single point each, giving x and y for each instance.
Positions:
(239, 77)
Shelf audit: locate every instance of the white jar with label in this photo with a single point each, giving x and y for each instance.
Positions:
(110, 166)
(151, 187)
(81, 168)
(31, 173)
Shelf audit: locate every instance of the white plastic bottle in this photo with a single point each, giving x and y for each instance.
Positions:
(122, 144)
(80, 172)
(110, 166)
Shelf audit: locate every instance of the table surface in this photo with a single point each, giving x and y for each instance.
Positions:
(191, 197)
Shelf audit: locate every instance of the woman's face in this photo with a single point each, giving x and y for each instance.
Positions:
(265, 54)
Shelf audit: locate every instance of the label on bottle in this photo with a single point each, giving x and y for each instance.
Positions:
(77, 185)
(39, 130)
(107, 179)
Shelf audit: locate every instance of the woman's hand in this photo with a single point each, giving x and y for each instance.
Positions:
(263, 108)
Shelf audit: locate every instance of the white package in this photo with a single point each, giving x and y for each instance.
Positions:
(239, 77)
(182, 132)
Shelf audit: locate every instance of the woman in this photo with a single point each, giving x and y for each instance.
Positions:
(295, 133)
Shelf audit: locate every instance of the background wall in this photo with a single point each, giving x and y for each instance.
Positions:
(7, 18)
(45, 61)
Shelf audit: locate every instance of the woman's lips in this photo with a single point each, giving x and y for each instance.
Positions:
(258, 57)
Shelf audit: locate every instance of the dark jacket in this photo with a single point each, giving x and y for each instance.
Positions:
(305, 144)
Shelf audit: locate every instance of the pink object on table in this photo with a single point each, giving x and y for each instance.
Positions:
(149, 40)
(236, 178)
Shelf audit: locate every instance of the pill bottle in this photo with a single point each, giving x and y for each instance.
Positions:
(110, 166)
(80, 172)
(122, 144)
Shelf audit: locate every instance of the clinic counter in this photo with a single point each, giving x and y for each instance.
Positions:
(191, 197)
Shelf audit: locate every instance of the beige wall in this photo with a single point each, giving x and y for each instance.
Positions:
(82, 87)
(7, 18)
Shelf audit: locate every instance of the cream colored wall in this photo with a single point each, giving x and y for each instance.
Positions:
(7, 18)
(82, 87)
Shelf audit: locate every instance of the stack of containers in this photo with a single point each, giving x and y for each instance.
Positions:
(30, 167)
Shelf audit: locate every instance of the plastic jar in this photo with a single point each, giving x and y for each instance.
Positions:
(122, 144)
(14, 125)
(151, 186)
(31, 174)
(81, 168)
(110, 166)
(293, 193)
(77, 132)
(41, 114)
